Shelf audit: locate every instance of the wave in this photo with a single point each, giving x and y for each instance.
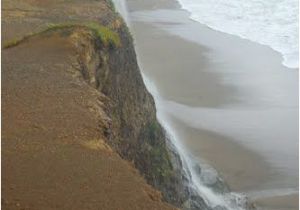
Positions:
(269, 22)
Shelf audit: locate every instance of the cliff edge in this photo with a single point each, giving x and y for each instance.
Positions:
(77, 118)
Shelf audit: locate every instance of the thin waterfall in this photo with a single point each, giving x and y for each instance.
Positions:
(224, 201)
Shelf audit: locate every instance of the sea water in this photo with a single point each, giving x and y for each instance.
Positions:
(268, 22)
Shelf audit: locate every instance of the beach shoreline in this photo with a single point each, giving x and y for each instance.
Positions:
(171, 59)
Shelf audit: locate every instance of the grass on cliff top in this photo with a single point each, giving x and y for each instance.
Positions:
(108, 37)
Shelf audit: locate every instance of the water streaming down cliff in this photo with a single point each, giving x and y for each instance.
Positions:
(215, 195)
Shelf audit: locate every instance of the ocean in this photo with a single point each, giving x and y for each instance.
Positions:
(269, 22)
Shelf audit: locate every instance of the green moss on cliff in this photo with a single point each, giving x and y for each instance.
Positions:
(152, 130)
(104, 34)
(161, 163)
(156, 152)
(16, 41)
(108, 37)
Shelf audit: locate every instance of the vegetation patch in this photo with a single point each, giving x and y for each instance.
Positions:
(161, 163)
(153, 129)
(16, 41)
(155, 152)
(107, 37)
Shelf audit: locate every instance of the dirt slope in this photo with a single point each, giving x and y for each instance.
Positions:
(54, 154)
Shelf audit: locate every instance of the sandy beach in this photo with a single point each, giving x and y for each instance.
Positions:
(230, 101)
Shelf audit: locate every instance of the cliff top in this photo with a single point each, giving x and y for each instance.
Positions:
(54, 154)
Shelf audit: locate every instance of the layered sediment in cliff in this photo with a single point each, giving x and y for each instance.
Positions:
(87, 49)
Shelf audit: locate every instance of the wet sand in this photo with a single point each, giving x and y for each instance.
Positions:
(230, 101)
(279, 202)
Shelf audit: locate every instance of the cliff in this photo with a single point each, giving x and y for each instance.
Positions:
(77, 118)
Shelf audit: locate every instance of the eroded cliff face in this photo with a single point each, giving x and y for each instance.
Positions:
(128, 121)
(133, 129)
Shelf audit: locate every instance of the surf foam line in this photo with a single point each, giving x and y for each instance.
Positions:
(272, 23)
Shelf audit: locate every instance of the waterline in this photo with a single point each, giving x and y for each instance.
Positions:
(272, 23)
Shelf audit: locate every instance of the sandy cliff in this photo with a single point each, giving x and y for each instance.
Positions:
(77, 118)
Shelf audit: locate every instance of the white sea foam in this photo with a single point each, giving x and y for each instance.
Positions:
(268, 22)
